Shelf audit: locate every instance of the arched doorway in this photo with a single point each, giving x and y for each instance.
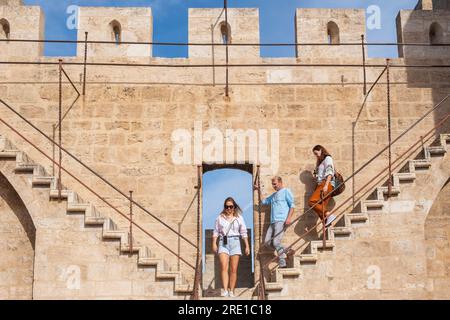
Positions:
(437, 238)
(17, 243)
(220, 182)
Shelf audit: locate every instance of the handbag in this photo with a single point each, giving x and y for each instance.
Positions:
(340, 184)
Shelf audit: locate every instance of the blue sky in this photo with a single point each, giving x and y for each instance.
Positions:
(170, 21)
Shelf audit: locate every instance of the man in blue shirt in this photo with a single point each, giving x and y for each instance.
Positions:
(282, 209)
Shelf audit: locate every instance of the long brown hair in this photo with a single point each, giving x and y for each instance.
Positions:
(237, 209)
(324, 153)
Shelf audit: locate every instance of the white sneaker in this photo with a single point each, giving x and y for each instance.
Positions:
(231, 294)
(224, 293)
(330, 219)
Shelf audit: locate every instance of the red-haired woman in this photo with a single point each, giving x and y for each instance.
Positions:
(324, 175)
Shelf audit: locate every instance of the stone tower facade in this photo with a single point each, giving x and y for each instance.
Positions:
(209, 26)
(329, 26)
(21, 22)
(116, 25)
(132, 120)
(428, 25)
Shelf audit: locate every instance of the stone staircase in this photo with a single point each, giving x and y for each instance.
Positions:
(343, 227)
(92, 217)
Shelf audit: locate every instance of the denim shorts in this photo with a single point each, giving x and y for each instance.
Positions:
(232, 248)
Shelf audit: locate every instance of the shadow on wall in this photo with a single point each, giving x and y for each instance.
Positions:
(17, 243)
(13, 200)
(437, 237)
(427, 26)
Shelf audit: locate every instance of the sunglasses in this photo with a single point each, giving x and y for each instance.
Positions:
(229, 207)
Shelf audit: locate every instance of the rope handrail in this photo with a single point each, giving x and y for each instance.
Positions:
(95, 193)
(97, 174)
(383, 177)
(73, 103)
(366, 164)
(230, 65)
(242, 44)
(197, 276)
(419, 142)
(262, 285)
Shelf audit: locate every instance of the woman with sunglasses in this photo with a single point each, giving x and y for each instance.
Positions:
(229, 228)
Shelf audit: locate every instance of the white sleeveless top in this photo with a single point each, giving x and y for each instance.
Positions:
(325, 169)
(237, 228)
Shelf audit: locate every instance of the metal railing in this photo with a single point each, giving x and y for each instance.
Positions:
(198, 265)
(61, 169)
(262, 283)
(227, 45)
(103, 199)
(390, 167)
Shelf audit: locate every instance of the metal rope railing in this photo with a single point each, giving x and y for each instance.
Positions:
(230, 65)
(197, 276)
(262, 284)
(407, 154)
(419, 142)
(233, 44)
(382, 175)
(437, 106)
(73, 176)
(96, 174)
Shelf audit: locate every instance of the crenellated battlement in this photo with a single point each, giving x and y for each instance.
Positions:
(433, 5)
(427, 23)
(117, 25)
(21, 22)
(331, 26)
(209, 26)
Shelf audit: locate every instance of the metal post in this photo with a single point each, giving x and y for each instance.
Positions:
(262, 286)
(389, 127)
(324, 221)
(59, 131)
(258, 172)
(53, 149)
(130, 238)
(85, 61)
(226, 49)
(213, 53)
(364, 64)
(197, 277)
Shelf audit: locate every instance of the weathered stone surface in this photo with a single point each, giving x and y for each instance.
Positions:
(123, 129)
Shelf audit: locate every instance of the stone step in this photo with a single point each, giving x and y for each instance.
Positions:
(75, 204)
(357, 217)
(437, 150)
(405, 176)
(289, 272)
(342, 231)
(373, 204)
(308, 258)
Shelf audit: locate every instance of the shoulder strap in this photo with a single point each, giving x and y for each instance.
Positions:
(231, 225)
